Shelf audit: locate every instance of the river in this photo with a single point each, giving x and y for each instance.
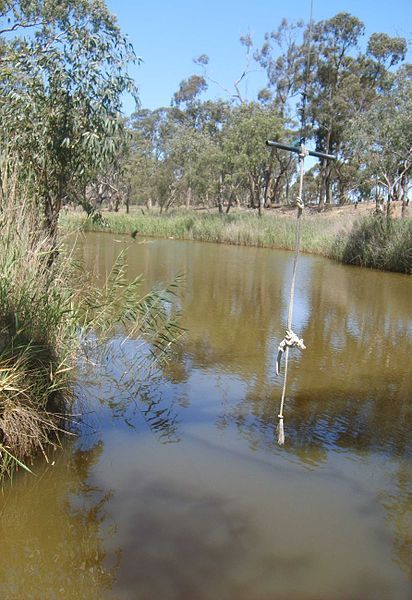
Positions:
(176, 489)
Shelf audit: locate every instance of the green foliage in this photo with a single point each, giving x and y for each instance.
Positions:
(381, 137)
(60, 90)
(378, 243)
(49, 313)
(189, 89)
(212, 153)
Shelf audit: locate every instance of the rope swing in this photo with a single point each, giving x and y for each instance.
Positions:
(291, 340)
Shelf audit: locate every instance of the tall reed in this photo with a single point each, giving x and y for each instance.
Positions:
(49, 311)
(244, 229)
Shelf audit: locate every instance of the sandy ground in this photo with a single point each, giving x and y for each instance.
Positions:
(349, 211)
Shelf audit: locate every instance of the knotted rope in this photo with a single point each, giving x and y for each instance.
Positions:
(291, 340)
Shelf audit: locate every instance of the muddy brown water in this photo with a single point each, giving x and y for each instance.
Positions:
(176, 489)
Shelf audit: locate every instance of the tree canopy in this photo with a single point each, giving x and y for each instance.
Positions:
(63, 70)
(322, 88)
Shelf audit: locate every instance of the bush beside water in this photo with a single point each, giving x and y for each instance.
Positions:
(49, 308)
(377, 242)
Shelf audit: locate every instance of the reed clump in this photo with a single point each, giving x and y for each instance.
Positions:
(49, 313)
(244, 229)
(37, 338)
(377, 242)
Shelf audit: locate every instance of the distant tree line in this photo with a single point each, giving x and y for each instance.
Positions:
(63, 71)
(355, 104)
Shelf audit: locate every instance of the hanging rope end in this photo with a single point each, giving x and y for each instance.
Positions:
(281, 431)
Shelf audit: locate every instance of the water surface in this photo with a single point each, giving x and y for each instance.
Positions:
(176, 488)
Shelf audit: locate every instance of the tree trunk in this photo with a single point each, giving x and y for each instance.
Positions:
(322, 185)
(252, 202)
(389, 204)
(127, 199)
(229, 204)
(260, 200)
(328, 184)
(404, 192)
(188, 197)
(220, 194)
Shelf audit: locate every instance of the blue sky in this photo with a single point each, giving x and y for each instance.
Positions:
(168, 35)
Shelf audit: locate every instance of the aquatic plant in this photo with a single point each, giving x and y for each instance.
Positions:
(49, 312)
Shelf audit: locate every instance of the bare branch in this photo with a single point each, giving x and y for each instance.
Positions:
(21, 26)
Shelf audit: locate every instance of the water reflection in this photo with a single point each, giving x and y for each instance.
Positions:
(129, 389)
(348, 400)
(204, 519)
(52, 528)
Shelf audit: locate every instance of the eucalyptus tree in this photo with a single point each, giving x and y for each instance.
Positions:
(149, 132)
(317, 72)
(382, 139)
(63, 70)
(283, 57)
(253, 165)
(192, 147)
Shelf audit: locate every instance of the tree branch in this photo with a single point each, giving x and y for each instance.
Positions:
(21, 26)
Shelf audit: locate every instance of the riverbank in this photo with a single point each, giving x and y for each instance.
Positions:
(345, 234)
(53, 315)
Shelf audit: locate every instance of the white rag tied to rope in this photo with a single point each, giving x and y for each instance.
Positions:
(291, 340)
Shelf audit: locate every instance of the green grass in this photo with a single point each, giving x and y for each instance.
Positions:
(240, 229)
(362, 242)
